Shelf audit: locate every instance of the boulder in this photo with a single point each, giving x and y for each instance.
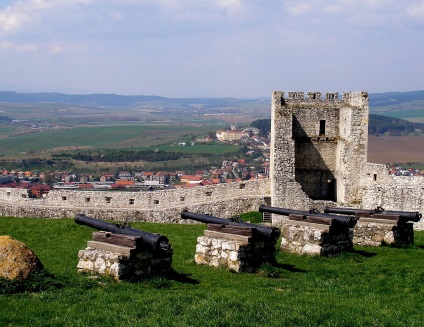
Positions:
(17, 261)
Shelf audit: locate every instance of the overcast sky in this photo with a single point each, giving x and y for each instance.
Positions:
(216, 48)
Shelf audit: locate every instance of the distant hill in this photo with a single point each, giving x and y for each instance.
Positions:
(380, 125)
(378, 101)
(406, 105)
(114, 100)
(394, 98)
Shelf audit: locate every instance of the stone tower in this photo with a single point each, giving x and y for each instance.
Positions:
(319, 147)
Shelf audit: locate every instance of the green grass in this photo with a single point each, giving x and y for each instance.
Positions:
(405, 114)
(6, 129)
(368, 287)
(96, 136)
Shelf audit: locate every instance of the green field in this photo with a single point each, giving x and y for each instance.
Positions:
(97, 136)
(413, 115)
(367, 287)
(6, 130)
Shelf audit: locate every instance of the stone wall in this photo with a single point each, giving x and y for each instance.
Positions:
(314, 239)
(319, 143)
(375, 232)
(122, 264)
(235, 252)
(319, 154)
(224, 200)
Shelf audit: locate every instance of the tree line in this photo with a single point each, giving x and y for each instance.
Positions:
(118, 155)
(379, 125)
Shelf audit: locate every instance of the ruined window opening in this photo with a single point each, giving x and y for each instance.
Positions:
(156, 201)
(242, 186)
(87, 199)
(322, 127)
(108, 198)
(8, 193)
(182, 198)
(208, 193)
(63, 198)
(375, 177)
(131, 201)
(24, 196)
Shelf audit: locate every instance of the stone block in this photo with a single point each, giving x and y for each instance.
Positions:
(124, 267)
(311, 249)
(235, 255)
(228, 246)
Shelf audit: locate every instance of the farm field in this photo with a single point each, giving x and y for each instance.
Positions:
(391, 149)
(367, 287)
(97, 136)
(411, 115)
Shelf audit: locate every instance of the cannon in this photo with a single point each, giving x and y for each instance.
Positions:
(152, 241)
(263, 232)
(313, 216)
(414, 216)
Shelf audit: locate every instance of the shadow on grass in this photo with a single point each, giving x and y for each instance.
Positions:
(182, 278)
(364, 253)
(287, 267)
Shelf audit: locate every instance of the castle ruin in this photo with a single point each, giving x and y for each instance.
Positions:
(318, 159)
(319, 156)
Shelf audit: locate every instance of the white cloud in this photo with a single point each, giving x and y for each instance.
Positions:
(20, 13)
(5, 45)
(230, 4)
(55, 49)
(11, 19)
(416, 10)
(22, 47)
(296, 8)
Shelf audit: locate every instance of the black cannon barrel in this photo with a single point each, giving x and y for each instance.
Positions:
(348, 211)
(153, 241)
(270, 233)
(348, 221)
(414, 216)
(404, 215)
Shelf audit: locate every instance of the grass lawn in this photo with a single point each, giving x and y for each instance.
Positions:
(368, 287)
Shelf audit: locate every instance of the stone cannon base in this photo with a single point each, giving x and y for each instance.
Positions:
(122, 263)
(235, 252)
(314, 239)
(375, 232)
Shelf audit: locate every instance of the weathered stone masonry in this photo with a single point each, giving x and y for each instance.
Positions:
(319, 157)
(321, 144)
(164, 206)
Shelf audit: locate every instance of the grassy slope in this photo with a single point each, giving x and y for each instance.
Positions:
(369, 287)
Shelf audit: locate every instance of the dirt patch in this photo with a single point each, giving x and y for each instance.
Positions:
(390, 149)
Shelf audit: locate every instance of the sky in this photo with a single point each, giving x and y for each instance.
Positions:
(211, 48)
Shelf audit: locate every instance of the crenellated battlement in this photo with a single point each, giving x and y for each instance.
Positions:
(351, 98)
